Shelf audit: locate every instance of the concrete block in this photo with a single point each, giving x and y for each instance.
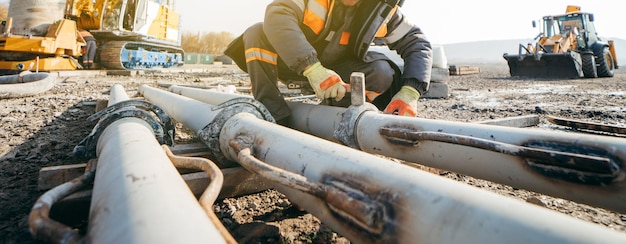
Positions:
(437, 90)
(440, 74)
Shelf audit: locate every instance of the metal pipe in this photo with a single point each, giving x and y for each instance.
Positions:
(576, 182)
(525, 172)
(138, 195)
(117, 94)
(384, 201)
(184, 109)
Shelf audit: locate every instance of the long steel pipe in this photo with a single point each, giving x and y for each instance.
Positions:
(386, 201)
(512, 170)
(138, 195)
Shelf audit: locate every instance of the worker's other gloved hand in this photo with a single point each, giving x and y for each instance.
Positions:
(404, 102)
(325, 82)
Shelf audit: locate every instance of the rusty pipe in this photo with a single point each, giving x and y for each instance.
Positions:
(362, 125)
(426, 202)
(405, 205)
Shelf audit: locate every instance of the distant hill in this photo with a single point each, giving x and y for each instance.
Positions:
(491, 51)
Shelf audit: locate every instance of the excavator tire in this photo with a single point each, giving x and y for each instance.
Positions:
(589, 65)
(605, 65)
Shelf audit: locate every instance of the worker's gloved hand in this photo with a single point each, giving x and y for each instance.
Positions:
(325, 82)
(404, 102)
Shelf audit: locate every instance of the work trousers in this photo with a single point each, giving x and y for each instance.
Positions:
(90, 52)
(381, 76)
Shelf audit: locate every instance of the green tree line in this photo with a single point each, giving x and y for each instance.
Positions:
(4, 12)
(210, 43)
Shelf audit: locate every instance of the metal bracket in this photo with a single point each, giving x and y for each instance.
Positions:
(211, 132)
(583, 165)
(366, 211)
(163, 128)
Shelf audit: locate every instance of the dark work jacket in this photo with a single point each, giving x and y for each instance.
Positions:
(300, 45)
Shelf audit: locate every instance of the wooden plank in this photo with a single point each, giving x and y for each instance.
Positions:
(584, 125)
(237, 182)
(125, 72)
(81, 73)
(463, 70)
(518, 121)
(52, 176)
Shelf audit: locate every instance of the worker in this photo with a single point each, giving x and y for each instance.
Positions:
(299, 40)
(90, 49)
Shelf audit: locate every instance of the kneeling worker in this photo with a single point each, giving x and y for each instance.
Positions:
(324, 42)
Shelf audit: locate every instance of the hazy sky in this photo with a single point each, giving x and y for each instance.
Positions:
(443, 21)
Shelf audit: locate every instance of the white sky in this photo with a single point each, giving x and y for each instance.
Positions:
(443, 21)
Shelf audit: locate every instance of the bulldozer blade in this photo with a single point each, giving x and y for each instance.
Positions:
(545, 65)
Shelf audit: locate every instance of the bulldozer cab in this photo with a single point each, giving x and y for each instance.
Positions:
(577, 25)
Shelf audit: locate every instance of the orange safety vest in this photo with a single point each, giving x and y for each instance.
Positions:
(317, 11)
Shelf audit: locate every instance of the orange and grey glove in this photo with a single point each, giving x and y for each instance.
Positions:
(404, 102)
(325, 82)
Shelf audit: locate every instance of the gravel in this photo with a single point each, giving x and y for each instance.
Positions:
(42, 130)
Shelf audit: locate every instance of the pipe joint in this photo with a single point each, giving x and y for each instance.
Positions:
(211, 132)
(163, 127)
(346, 131)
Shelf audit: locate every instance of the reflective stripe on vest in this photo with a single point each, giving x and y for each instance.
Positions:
(315, 14)
(401, 30)
(371, 95)
(261, 55)
(345, 38)
(382, 31)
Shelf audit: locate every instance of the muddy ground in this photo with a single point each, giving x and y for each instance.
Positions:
(42, 131)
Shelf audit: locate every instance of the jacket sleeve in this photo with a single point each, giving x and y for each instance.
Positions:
(414, 48)
(282, 26)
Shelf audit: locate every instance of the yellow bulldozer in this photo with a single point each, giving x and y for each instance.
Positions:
(567, 47)
(131, 34)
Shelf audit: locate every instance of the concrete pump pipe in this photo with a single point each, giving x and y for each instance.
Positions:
(138, 195)
(580, 167)
(370, 199)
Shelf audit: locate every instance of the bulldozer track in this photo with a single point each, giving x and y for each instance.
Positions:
(112, 53)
